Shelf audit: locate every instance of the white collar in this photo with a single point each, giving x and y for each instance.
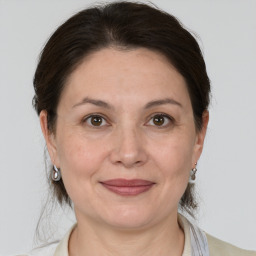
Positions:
(196, 243)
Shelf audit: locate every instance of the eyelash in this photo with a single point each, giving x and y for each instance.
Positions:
(169, 119)
(88, 118)
(165, 116)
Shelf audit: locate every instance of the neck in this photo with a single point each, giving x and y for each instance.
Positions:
(165, 239)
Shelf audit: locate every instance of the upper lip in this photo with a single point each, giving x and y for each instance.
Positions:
(127, 183)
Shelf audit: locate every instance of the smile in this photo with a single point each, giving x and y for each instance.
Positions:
(128, 187)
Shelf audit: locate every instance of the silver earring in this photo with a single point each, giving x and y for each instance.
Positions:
(56, 175)
(193, 174)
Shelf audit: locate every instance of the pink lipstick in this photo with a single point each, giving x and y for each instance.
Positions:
(128, 187)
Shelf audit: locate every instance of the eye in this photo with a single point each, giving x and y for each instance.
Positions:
(160, 120)
(95, 120)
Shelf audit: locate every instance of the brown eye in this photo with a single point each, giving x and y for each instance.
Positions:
(158, 120)
(96, 121)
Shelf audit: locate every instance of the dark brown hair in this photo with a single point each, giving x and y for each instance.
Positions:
(124, 25)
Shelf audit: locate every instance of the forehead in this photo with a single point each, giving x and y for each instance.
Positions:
(125, 74)
(139, 60)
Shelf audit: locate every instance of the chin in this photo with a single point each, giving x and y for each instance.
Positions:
(129, 218)
(129, 223)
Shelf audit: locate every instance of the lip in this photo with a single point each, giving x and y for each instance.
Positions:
(126, 187)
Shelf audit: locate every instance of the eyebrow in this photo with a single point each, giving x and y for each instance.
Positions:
(162, 102)
(104, 104)
(95, 102)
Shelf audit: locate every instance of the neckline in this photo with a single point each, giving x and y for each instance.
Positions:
(62, 248)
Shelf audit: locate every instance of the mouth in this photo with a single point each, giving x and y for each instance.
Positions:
(125, 187)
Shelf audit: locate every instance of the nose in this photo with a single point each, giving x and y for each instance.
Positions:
(129, 148)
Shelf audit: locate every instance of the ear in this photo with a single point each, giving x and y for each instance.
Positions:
(199, 143)
(49, 138)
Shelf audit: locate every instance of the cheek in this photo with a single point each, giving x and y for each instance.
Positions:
(175, 155)
(172, 159)
(80, 162)
(79, 157)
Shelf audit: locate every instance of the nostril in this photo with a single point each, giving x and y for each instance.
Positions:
(127, 151)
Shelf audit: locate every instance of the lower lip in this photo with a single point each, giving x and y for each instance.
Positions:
(128, 191)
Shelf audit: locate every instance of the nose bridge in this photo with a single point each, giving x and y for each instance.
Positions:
(129, 140)
(129, 149)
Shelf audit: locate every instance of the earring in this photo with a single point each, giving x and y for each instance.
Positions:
(56, 175)
(193, 174)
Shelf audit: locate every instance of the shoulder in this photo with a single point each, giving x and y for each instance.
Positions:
(221, 248)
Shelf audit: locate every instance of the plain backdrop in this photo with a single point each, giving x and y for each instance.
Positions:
(226, 177)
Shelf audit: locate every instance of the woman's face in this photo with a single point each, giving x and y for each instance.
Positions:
(125, 138)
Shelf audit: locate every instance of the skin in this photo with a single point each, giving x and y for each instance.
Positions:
(128, 144)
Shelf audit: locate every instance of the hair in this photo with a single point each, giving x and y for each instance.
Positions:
(122, 25)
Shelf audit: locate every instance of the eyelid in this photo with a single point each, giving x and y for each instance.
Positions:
(170, 118)
(85, 119)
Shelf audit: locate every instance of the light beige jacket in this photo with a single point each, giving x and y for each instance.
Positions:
(220, 248)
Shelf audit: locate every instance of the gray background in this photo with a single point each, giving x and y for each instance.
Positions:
(226, 171)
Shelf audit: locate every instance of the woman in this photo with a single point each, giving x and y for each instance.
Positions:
(122, 94)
